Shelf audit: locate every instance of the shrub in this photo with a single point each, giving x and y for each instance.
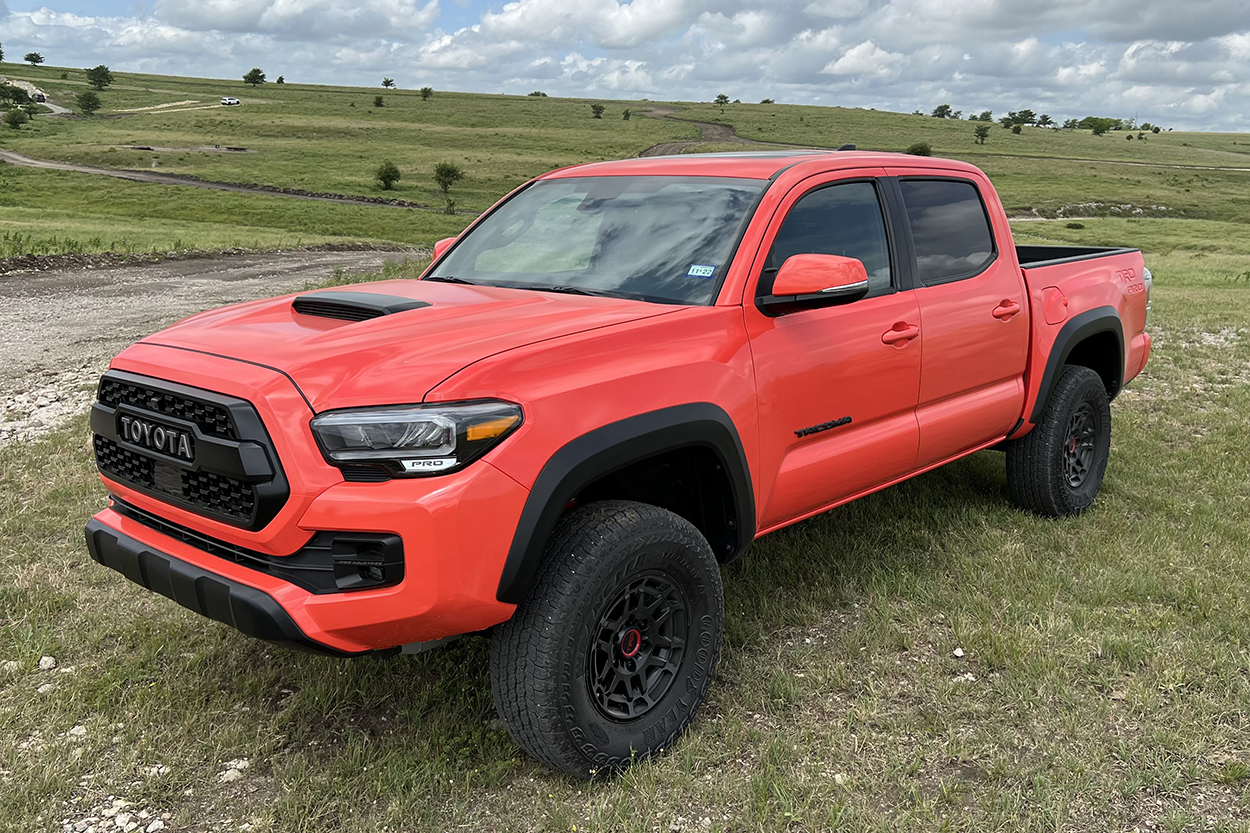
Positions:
(427, 93)
(255, 76)
(64, 76)
(281, 79)
(446, 175)
(942, 111)
(99, 77)
(88, 103)
(387, 83)
(920, 149)
(596, 111)
(377, 101)
(766, 101)
(538, 94)
(15, 118)
(982, 132)
(721, 100)
(1075, 225)
(387, 175)
(1015, 128)
(626, 114)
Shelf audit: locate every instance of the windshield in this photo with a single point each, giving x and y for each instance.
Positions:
(657, 238)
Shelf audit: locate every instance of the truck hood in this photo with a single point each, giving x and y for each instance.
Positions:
(398, 357)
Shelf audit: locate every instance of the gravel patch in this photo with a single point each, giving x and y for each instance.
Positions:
(59, 328)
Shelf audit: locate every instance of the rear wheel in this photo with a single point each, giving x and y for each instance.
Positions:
(1058, 467)
(609, 658)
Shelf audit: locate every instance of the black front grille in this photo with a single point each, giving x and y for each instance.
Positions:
(213, 420)
(232, 475)
(203, 490)
(115, 460)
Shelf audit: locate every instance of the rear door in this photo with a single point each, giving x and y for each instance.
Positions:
(973, 314)
(837, 387)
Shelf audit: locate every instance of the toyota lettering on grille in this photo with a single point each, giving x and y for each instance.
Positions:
(157, 437)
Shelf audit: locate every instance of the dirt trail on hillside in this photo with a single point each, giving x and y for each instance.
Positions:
(59, 328)
(710, 132)
(192, 182)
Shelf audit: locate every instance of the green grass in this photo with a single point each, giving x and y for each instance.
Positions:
(57, 212)
(1107, 652)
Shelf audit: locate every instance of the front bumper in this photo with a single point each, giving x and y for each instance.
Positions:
(247, 609)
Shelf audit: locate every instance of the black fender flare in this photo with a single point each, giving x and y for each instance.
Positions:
(611, 448)
(1080, 327)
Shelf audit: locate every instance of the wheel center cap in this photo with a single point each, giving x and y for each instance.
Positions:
(631, 643)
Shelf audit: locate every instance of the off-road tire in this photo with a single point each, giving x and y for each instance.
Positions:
(541, 659)
(1044, 467)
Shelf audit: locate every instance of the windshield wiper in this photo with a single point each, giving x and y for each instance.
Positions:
(449, 279)
(575, 290)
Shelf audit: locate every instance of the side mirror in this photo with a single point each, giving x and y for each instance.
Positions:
(809, 281)
(442, 246)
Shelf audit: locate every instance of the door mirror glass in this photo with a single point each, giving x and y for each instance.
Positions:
(442, 246)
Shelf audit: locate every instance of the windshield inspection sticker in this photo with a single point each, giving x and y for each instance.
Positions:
(700, 271)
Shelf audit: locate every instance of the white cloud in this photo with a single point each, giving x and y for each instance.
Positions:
(1180, 64)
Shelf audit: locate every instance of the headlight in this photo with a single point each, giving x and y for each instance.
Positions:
(415, 440)
(1149, 280)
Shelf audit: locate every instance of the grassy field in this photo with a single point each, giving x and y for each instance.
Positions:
(1105, 673)
(1103, 686)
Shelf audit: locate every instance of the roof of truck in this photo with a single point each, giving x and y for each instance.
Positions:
(759, 164)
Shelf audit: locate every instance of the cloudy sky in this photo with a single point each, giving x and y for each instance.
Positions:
(1180, 63)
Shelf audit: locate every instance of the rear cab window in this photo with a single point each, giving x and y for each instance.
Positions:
(950, 229)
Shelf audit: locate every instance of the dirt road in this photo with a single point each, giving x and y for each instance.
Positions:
(59, 328)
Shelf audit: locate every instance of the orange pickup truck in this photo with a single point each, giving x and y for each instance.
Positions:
(607, 386)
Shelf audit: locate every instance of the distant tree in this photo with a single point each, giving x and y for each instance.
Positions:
(255, 76)
(1146, 125)
(982, 132)
(387, 175)
(1, 52)
(446, 175)
(427, 93)
(88, 102)
(1007, 122)
(1129, 137)
(596, 111)
(1099, 129)
(1105, 123)
(721, 100)
(766, 101)
(986, 115)
(378, 102)
(388, 83)
(1070, 124)
(99, 77)
(942, 111)
(626, 114)
(1015, 128)
(957, 114)
(538, 94)
(281, 79)
(1156, 129)
(1044, 120)
(15, 95)
(33, 58)
(920, 149)
(15, 118)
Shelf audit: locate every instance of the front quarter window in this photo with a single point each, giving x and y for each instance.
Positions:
(657, 238)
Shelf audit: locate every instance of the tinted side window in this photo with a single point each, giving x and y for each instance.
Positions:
(949, 227)
(841, 220)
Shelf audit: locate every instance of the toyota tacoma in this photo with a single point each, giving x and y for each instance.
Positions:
(606, 387)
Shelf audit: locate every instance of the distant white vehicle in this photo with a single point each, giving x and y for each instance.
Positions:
(228, 101)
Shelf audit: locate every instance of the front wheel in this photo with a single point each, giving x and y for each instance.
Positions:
(1057, 468)
(610, 656)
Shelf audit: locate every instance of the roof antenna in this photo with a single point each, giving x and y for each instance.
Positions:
(847, 146)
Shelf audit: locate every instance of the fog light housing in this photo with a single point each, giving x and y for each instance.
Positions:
(367, 561)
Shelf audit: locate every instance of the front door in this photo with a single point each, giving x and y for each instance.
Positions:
(838, 386)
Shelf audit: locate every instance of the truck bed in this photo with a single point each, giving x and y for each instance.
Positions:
(1032, 257)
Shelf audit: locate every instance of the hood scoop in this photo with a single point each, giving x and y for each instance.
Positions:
(353, 306)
